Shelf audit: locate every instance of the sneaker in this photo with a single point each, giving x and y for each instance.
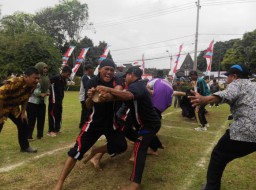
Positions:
(201, 129)
(207, 125)
(29, 150)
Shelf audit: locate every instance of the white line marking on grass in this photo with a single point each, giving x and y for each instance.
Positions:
(14, 166)
(185, 128)
(169, 113)
(202, 162)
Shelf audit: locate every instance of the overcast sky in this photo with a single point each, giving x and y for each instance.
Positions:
(151, 27)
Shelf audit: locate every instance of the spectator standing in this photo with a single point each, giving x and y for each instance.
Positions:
(88, 74)
(14, 93)
(36, 107)
(207, 80)
(58, 84)
(201, 88)
(177, 87)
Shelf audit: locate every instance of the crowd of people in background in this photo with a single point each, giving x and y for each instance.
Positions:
(121, 105)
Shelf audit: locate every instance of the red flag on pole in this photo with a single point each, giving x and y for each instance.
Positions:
(79, 61)
(177, 59)
(208, 56)
(67, 55)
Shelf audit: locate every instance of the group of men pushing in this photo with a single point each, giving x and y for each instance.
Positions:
(238, 141)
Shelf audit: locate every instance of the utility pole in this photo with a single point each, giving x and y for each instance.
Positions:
(196, 36)
(170, 56)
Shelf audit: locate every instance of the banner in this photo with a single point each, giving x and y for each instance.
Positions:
(102, 57)
(208, 56)
(105, 54)
(67, 55)
(177, 60)
(79, 61)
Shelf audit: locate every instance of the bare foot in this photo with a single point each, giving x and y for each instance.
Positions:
(90, 156)
(131, 159)
(96, 162)
(152, 152)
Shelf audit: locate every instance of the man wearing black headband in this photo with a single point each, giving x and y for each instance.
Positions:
(240, 139)
(100, 122)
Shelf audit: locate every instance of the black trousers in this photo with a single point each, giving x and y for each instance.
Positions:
(116, 142)
(140, 153)
(36, 115)
(22, 131)
(84, 114)
(177, 100)
(54, 117)
(201, 115)
(224, 152)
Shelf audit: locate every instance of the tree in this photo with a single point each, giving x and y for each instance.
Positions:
(219, 50)
(65, 21)
(23, 43)
(243, 51)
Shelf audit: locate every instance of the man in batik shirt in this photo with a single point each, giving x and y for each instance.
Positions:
(15, 92)
(240, 139)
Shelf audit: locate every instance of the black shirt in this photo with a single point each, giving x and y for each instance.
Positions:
(142, 107)
(102, 114)
(58, 84)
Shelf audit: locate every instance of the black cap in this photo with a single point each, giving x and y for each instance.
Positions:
(239, 70)
(135, 70)
(107, 62)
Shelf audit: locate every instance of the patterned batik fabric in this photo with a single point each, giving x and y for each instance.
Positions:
(13, 93)
(241, 96)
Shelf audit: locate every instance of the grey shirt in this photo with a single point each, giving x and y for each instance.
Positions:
(241, 96)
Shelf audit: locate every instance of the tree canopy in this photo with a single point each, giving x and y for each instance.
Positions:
(243, 51)
(64, 21)
(23, 43)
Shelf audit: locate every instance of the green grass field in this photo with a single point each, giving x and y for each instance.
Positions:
(182, 165)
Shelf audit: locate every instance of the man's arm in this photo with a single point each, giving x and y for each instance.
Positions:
(179, 93)
(118, 94)
(203, 100)
(121, 94)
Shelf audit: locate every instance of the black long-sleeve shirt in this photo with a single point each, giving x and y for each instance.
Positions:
(58, 84)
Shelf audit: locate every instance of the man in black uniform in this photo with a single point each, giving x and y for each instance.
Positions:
(139, 101)
(88, 74)
(100, 122)
(58, 84)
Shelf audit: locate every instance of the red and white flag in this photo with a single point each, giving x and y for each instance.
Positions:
(177, 59)
(208, 56)
(105, 54)
(79, 61)
(67, 55)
